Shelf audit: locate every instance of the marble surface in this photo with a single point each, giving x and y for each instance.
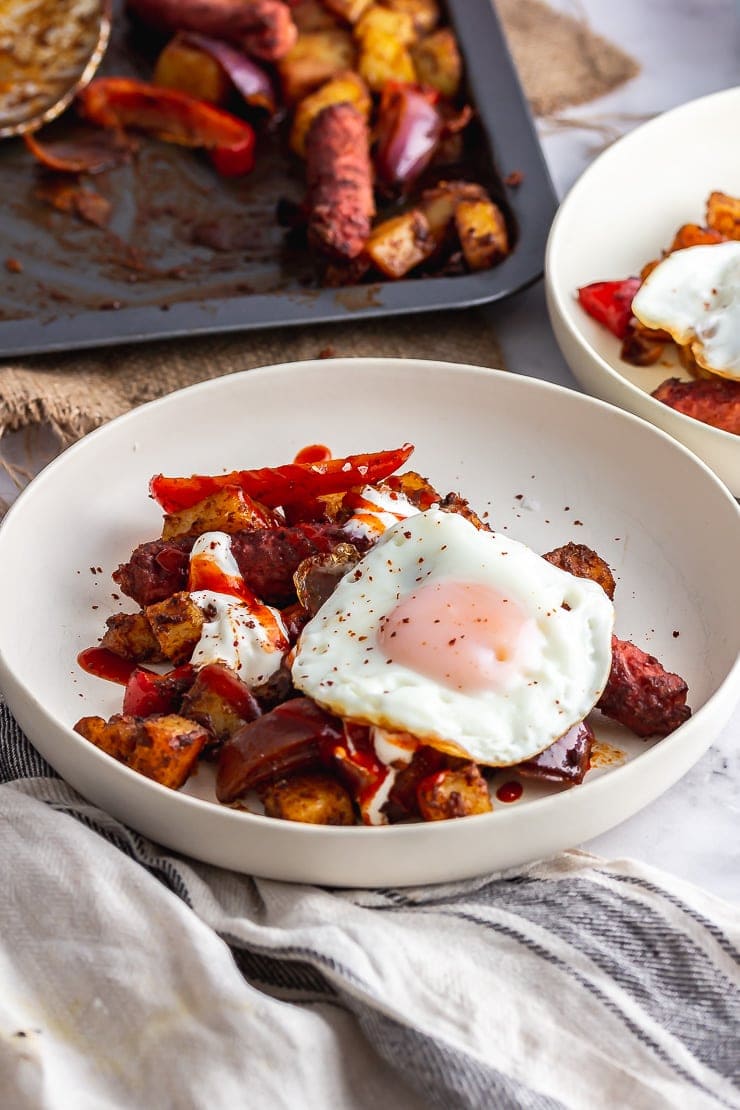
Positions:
(686, 48)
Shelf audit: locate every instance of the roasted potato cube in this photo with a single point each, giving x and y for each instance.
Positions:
(439, 204)
(345, 88)
(723, 214)
(453, 793)
(227, 510)
(691, 235)
(220, 701)
(314, 799)
(425, 14)
(311, 15)
(437, 62)
(167, 749)
(454, 503)
(117, 736)
(130, 636)
(177, 623)
(482, 230)
(419, 491)
(583, 562)
(641, 346)
(384, 37)
(350, 10)
(399, 244)
(315, 58)
(185, 68)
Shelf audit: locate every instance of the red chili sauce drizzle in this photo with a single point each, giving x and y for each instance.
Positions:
(510, 792)
(102, 663)
(313, 453)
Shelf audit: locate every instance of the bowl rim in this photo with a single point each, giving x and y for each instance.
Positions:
(562, 301)
(238, 818)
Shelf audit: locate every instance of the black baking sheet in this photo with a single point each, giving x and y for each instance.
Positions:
(189, 253)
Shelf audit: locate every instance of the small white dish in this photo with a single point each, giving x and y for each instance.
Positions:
(548, 464)
(619, 215)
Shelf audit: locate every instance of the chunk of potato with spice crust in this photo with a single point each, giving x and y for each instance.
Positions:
(399, 244)
(177, 623)
(383, 37)
(691, 235)
(315, 58)
(723, 214)
(438, 63)
(439, 204)
(185, 68)
(425, 14)
(345, 88)
(482, 230)
(314, 799)
(311, 15)
(453, 793)
(220, 701)
(350, 10)
(167, 749)
(117, 736)
(130, 636)
(583, 562)
(226, 510)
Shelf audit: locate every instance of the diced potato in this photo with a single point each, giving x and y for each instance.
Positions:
(454, 793)
(117, 736)
(311, 15)
(439, 204)
(177, 623)
(691, 235)
(424, 13)
(345, 88)
(482, 230)
(167, 749)
(417, 489)
(207, 702)
(583, 562)
(688, 361)
(643, 346)
(723, 214)
(314, 799)
(399, 244)
(226, 510)
(438, 63)
(130, 636)
(350, 10)
(384, 37)
(185, 68)
(315, 58)
(454, 503)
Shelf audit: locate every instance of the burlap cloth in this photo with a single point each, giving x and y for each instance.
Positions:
(562, 62)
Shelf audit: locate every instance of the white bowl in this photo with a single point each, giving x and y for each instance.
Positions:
(619, 215)
(519, 448)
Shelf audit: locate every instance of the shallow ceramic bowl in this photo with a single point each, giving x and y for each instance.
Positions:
(619, 215)
(521, 449)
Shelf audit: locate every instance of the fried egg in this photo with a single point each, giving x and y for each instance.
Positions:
(694, 295)
(461, 637)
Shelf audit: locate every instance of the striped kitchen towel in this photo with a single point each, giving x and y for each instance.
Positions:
(133, 977)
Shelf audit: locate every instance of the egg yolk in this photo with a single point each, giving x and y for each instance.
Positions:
(465, 635)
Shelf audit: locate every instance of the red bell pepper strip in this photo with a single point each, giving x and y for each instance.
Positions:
(175, 117)
(610, 302)
(292, 484)
(148, 693)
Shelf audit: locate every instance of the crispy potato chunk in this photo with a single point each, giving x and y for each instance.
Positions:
(117, 736)
(691, 235)
(350, 10)
(723, 214)
(384, 37)
(177, 623)
(642, 346)
(417, 489)
(581, 561)
(453, 793)
(399, 244)
(311, 15)
(454, 503)
(315, 58)
(130, 636)
(314, 799)
(227, 510)
(220, 701)
(345, 88)
(167, 749)
(185, 68)
(482, 230)
(424, 13)
(438, 63)
(439, 204)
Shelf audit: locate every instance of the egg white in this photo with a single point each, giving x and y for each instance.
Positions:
(341, 664)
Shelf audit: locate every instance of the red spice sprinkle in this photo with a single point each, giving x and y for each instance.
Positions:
(578, 522)
(676, 634)
(452, 641)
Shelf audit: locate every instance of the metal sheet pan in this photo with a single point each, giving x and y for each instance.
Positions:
(186, 253)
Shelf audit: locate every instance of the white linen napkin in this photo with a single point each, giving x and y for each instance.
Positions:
(133, 977)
